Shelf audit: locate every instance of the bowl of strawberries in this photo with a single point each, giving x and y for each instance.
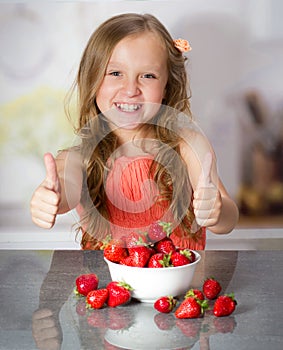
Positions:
(152, 266)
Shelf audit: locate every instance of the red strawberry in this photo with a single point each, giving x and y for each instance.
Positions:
(224, 305)
(86, 283)
(195, 293)
(211, 288)
(159, 260)
(191, 307)
(97, 298)
(181, 257)
(165, 304)
(128, 260)
(159, 230)
(166, 246)
(139, 255)
(119, 293)
(115, 250)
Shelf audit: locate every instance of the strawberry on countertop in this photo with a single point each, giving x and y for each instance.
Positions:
(224, 305)
(119, 293)
(97, 298)
(191, 307)
(165, 304)
(211, 288)
(86, 283)
(195, 293)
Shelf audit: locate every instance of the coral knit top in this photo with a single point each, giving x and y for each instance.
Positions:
(132, 202)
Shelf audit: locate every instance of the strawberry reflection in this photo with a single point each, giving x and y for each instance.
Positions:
(164, 322)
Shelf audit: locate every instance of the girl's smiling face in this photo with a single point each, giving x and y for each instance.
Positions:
(136, 74)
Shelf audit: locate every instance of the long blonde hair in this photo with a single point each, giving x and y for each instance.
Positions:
(98, 142)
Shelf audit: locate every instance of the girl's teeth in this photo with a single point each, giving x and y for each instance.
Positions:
(128, 107)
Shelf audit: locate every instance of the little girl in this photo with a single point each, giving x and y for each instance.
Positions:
(140, 160)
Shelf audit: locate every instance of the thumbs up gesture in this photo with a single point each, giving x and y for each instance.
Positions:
(45, 201)
(207, 200)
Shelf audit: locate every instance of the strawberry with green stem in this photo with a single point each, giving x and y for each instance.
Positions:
(182, 257)
(97, 298)
(165, 304)
(119, 293)
(193, 292)
(191, 307)
(224, 305)
(159, 260)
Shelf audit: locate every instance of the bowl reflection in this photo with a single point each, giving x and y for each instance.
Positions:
(152, 330)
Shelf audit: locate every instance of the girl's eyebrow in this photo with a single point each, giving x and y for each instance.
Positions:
(113, 64)
(146, 68)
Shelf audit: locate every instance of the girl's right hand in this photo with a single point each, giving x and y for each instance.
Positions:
(45, 201)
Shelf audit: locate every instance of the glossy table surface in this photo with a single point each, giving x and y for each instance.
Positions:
(40, 311)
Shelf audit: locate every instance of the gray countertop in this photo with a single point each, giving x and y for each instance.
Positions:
(40, 311)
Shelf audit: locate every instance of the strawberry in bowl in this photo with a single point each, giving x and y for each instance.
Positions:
(152, 272)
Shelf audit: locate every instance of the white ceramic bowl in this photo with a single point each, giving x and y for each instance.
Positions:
(151, 283)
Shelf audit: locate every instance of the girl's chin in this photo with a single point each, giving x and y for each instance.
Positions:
(127, 121)
(128, 126)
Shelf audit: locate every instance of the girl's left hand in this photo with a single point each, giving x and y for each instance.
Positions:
(207, 202)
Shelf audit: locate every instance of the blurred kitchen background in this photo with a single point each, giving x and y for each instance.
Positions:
(235, 69)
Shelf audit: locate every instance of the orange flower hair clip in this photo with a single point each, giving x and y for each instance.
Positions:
(182, 45)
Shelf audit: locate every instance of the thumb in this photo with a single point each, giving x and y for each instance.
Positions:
(52, 178)
(205, 178)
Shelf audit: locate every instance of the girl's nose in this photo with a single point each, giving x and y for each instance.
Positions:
(131, 87)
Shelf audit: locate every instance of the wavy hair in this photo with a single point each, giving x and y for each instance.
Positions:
(98, 142)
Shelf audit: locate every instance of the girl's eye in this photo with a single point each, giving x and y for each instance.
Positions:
(115, 74)
(149, 76)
